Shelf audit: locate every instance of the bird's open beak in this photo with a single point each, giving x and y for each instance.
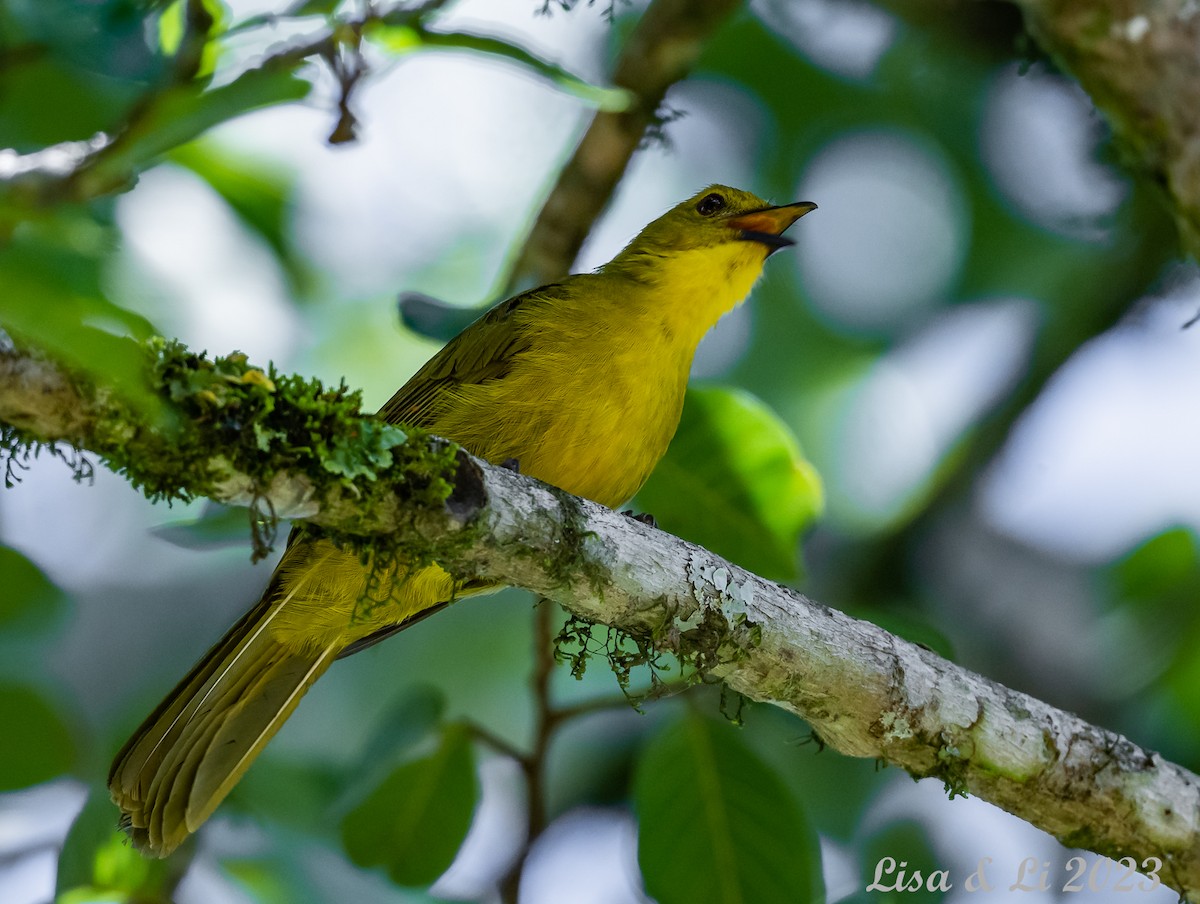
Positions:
(766, 226)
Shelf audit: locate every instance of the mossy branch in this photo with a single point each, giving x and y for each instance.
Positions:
(1138, 60)
(228, 431)
(865, 692)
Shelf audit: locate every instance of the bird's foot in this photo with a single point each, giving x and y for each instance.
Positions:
(644, 518)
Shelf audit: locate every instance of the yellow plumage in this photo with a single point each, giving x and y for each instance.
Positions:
(582, 382)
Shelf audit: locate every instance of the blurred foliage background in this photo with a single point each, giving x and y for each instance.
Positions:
(978, 344)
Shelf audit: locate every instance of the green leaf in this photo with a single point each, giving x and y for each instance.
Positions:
(1166, 566)
(37, 746)
(258, 194)
(70, 69)
(411, 719)
(415, 821)
(97, 862)
(715, 824)
(104, 36)
(183, 113)
(299, 9)
(394, 38)
(735, 481)
(49, 301)
(313, 7)
(900, 846)
(67, 256)
(28, 596)
(404, 37)
(172, 26)
(297, 794)
(216, 527)
(433, 318)
(83, 104)
(912, 625)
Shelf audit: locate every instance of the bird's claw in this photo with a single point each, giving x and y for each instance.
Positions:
(644, 518)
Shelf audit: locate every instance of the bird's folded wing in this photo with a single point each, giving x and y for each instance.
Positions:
(483, 351)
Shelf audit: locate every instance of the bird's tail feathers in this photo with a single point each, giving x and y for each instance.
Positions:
(191, 751)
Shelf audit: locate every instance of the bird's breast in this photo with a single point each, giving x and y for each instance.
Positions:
(594, 424)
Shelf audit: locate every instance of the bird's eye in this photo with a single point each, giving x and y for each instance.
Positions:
(710, 204)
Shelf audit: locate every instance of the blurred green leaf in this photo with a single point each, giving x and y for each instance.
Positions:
(38, 746)
(396, 38)
(899, 846)
(103, 36)
(834, 790)
(735, 481)
(97, 862)
(313, 7)
(715, 824)
(1156, 587)
(414, 823)
(70, 69)
(290, 874)
(1163, 566)
(411, 719)
(274, 18)
(297, 794)
(217, 526)
(268, 884)
(172, 26)
(405, 37)
(433, 318)
(27, 595)
(594, 760)
(82, 105)
(183, 113)
(49, 301)
(258, 193)
(914, 626)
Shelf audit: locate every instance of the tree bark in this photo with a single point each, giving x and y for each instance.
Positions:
(865, 692)
(1139, 61)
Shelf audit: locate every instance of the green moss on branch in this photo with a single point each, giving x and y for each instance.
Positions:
(231, 431)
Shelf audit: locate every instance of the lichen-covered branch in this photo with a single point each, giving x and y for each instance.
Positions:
(229, 431)
(865, 692)
(661, 50)
(1139, 60)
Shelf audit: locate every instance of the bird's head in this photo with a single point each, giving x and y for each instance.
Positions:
(718, 216)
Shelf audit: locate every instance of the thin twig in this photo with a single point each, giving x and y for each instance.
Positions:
(662, 50)
(503, 747)
(533, 764)
(100, 166)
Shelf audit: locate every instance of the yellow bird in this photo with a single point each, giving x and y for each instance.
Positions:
(581, 381)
